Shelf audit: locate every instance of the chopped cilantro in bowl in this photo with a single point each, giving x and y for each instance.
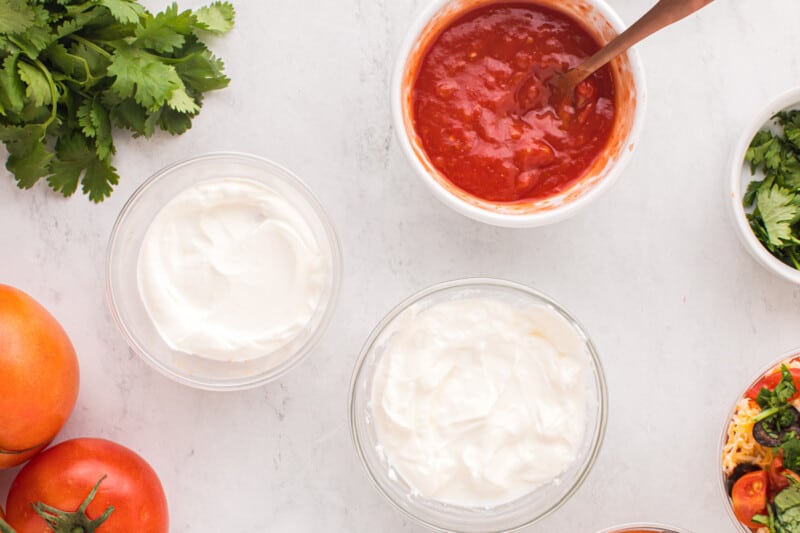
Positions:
(763, 186)
(775, 199)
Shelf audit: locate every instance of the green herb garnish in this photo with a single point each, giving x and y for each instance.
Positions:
(775, 200)
(70, 69)
(787, 508)
(791, 452)
(775, 403)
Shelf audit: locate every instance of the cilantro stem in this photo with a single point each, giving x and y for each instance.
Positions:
(793, 257)
(766, 413)
(50, 82)
(90, 44)
(53, 92)
(71, 10)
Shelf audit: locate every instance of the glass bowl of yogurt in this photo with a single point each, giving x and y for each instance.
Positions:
(478, 406)
(223, 271)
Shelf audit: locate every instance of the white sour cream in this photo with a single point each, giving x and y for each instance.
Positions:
(230, 270)
(478, 402)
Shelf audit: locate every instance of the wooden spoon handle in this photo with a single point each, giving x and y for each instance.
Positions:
(664, 13)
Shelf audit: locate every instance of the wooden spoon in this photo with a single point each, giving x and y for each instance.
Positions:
(664, 13)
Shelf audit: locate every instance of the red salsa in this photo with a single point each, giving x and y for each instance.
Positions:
(467, 107)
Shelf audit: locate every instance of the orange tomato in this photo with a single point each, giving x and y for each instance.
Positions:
(749, 497)
(39, 377)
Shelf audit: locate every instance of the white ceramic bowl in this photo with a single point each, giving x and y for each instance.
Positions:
(740, 177)
(640, 526)
(129, 311)
(604, 24)
(450, 518)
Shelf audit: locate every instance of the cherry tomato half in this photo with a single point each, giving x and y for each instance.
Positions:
(749, 497)
(771, 380)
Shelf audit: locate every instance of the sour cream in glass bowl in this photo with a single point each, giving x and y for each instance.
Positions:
(478, 406)
(223, 271)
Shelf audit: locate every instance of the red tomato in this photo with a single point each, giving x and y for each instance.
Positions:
(771, 381)
(777, 481)
(749, 497)
(39, 378)
(63, 476)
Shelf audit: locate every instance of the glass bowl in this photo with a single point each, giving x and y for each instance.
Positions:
(127, 306)
(785, 358)
(641, 527)
(444, 517)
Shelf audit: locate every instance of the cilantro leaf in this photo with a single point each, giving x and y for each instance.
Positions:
(763, 147)
(76, 162)
(787, 507)
(201, 70)
(775, 403)
(124, 11)
(216, 18)
(791, 454)
(778, 210)
(166, 31)
(750, 193)
(129, 115)
(38, 88)
(174, 122)
(28, 157)
(96, 124)
(143, 76)
(12, 90)
(183, 103)
(36, 36)
(16, 16)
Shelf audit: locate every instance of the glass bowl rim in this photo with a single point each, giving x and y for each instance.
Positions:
(655, 526)
(597, 373)
(289, 178)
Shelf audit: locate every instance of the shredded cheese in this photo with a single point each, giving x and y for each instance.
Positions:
(740, 446)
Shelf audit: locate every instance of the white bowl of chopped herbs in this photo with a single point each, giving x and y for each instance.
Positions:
(765, 186)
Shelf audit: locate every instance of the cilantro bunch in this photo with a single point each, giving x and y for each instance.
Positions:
(775, 219)
(71, 70)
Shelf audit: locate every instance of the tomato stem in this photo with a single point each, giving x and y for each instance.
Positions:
(72, 522)
(5, 528)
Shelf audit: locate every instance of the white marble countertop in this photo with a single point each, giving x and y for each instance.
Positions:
(681, 314)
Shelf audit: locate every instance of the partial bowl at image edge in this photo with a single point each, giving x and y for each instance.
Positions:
(739, 176)
(723, 491)
(642, 526)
